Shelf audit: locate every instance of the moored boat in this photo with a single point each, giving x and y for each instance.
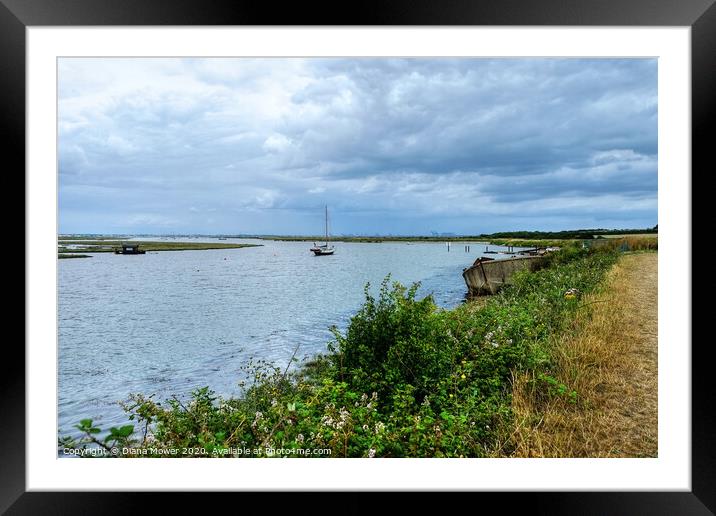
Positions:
(129, 248)
(322, 250)
(327, 248)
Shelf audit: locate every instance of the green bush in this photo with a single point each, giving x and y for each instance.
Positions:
(394, 340)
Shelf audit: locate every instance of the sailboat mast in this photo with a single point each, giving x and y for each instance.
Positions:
(326, 225)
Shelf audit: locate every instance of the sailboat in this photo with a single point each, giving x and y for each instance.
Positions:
(327, 248)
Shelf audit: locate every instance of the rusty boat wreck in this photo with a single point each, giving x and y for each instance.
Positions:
(488, 275)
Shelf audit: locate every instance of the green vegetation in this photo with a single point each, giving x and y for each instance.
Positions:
(631, 242)
(515, 242)
(406, 379)
(108, 246)
(64, 256)
(576, 234)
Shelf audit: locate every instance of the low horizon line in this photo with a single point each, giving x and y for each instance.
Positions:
(432, 234)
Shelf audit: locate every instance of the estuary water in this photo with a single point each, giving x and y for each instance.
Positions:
(166, 323)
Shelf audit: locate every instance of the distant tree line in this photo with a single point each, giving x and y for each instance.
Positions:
(579, 234)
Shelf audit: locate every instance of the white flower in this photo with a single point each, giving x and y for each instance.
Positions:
(299, 438)
(371, 453)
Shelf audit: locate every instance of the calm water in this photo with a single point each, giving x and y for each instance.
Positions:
(170, 322)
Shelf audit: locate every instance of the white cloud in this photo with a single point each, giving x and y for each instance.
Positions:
(276, 143)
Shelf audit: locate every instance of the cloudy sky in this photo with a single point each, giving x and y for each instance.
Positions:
(392, 146)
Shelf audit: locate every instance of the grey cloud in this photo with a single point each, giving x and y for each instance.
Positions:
(249, 135)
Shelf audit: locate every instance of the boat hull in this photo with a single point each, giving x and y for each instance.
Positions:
(487, 276)
(323, 252)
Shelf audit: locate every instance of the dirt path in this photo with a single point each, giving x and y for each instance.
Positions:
(611, 362)
(635, 397)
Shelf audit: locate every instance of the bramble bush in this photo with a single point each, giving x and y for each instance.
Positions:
(405, 379)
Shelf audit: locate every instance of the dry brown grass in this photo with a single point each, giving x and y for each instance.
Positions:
(644, 235)
(643, 243)
(610, 359)
(634, 242)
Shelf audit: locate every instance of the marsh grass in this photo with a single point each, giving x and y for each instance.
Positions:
(631, 243)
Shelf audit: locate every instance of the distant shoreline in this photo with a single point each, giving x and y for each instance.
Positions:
(100, 245)
(65, 256)
(498, 238)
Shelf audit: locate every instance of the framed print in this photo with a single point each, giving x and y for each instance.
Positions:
(251, 195)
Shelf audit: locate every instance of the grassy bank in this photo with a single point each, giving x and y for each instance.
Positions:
(108, 246)
(610, 358)
(516, 242)
(633, 242)
(406, 379)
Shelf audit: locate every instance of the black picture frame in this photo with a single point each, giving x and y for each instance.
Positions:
(700, 15)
